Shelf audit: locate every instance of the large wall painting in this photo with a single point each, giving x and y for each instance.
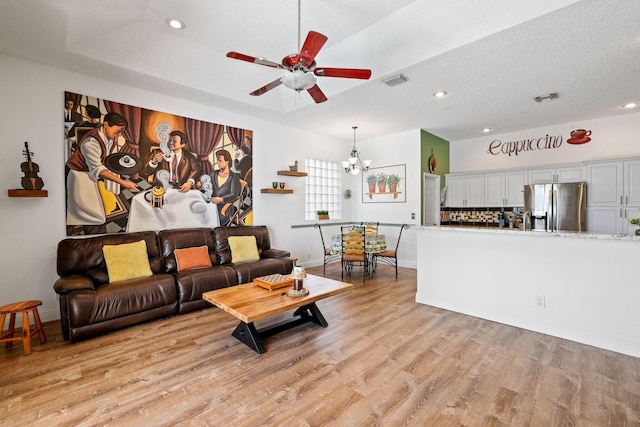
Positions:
(131, 169)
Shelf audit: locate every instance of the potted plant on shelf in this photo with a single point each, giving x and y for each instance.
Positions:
(323, 214)
(382, 182)
(393, 180)
(371, 180)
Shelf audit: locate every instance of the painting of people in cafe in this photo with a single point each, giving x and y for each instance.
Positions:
(132, 169)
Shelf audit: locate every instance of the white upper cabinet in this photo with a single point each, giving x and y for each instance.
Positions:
(614, 183)
(562, 174)
(514, 188)
(456, 194)
(613, 196)
(605, 184)
(475, 190)
(494, 189)
(504, 189)
(632, 182)
(465, 190)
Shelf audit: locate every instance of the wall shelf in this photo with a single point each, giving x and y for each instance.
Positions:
(276, 190)
(292, 173)
(28, 193)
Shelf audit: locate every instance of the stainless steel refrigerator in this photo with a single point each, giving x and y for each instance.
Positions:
(555, 207)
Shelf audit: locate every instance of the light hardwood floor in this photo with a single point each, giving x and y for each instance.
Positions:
(382, 361)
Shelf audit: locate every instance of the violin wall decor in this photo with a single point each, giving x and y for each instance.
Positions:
(30, 180)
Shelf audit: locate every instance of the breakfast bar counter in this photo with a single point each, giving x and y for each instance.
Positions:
(579, 286)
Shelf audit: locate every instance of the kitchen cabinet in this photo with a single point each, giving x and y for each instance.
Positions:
(605, 220)
(494, 189)
(605, 184)
(614, 189)
(575, 173)
(465, 190)
(514, 188)
(504, 189)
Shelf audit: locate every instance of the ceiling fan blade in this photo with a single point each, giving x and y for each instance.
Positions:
(312, 45)
(259, 61)
(266, 88)
(349, 73)
(317, 94)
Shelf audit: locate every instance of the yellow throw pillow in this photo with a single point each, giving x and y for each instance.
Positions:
(127, 261)
(196, 257)
(243, 249)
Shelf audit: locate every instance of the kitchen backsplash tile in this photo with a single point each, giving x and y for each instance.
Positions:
(477, 216)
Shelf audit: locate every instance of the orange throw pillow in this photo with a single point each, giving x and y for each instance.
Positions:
(188, 258)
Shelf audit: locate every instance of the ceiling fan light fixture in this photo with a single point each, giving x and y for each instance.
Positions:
(299, 80)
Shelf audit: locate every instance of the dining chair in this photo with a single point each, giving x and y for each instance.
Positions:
(353, 253)
(390, 257)
(328, 257)
(370, 227)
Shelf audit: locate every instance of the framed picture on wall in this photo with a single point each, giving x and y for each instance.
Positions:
(385, 184)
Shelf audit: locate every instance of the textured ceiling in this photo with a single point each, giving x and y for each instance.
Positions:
(492, 57)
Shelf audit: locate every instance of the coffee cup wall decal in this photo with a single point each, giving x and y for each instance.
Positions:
(579, 136)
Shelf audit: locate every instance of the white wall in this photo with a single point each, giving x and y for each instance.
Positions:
(396, 149)
(33, 97)
(615, 136)
(589, 285)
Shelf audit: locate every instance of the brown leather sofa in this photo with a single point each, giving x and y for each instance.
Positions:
(90, 305)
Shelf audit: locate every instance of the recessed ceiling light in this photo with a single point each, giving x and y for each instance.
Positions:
(176, 24)
(630, 105)
(485, 130)
(439, 94)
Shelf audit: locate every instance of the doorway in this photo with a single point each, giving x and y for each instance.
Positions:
(431, 199)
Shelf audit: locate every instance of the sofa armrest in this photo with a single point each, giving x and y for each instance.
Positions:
(67, 284)
(275, 253)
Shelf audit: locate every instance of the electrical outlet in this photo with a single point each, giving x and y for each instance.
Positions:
(413, 215)
(540, 301)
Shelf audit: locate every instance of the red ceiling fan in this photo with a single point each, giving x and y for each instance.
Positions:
(302, 67)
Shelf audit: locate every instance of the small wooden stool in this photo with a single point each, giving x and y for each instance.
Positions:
(23, 307)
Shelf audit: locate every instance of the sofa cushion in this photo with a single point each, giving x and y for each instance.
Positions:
(170, 240)
(221, 237)
(126, 261)
(193, 283)
(79, 255)
(248, 271)
(243, 249)
(119, 300)
(189, 258)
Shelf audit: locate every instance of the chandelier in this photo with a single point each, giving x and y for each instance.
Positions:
(351, 165)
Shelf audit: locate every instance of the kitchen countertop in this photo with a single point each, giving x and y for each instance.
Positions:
(519, 232)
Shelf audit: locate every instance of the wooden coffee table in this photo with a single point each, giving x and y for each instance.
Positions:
(250, 303)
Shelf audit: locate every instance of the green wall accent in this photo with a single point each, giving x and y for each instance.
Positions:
(440, 149)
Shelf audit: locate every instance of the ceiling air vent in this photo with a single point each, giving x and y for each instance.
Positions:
(396, 80)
